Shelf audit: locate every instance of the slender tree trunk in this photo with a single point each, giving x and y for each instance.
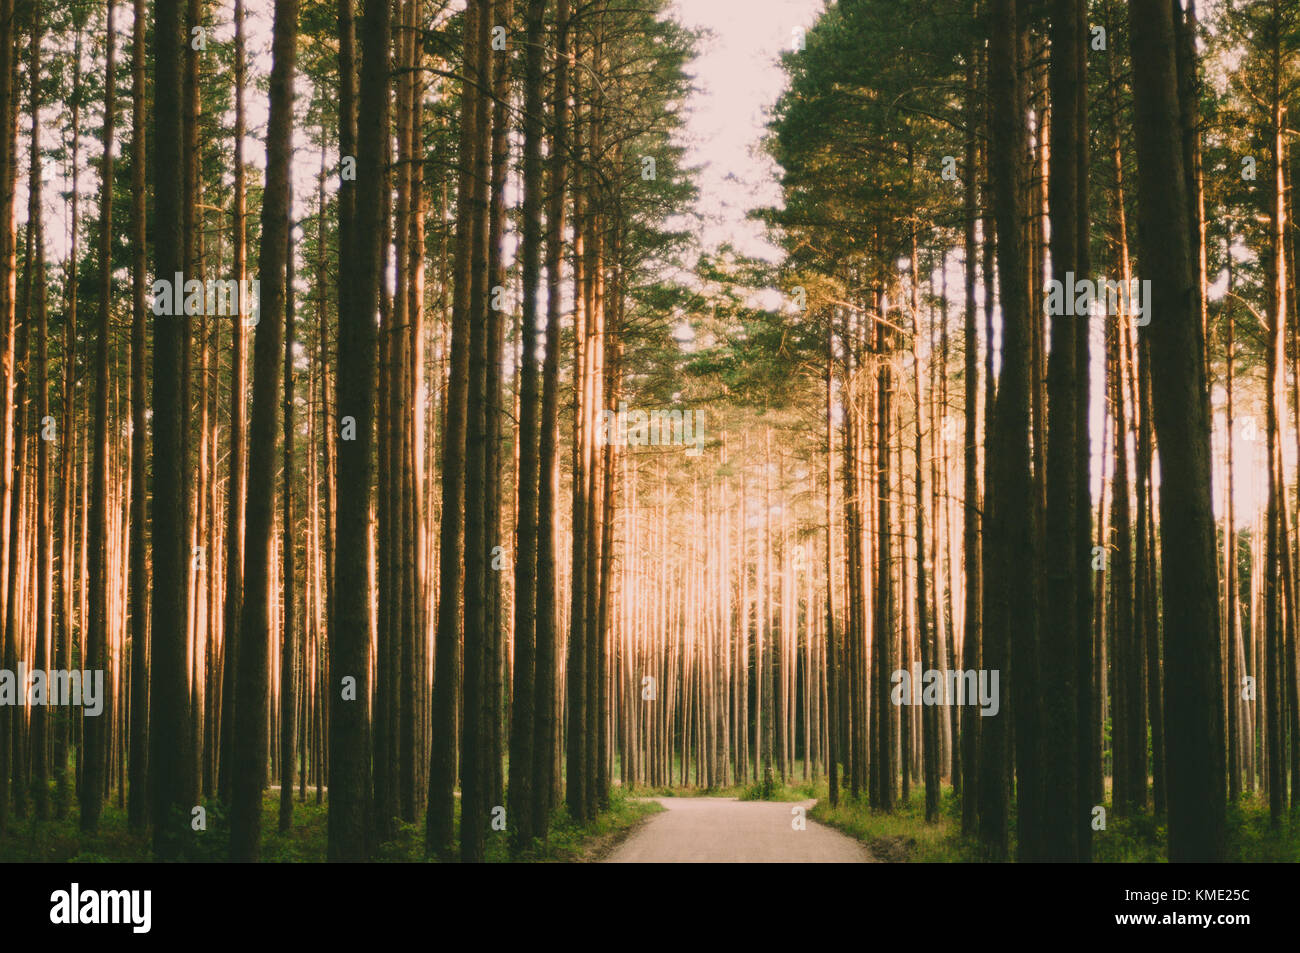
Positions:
(289, 637)
(171, 783)
(253, 680)
(235, 492)
(349, 688)
(44, 554)
(1010, 629)
(96, 650)
(11, 756)
(833, 701)
(1060, 663)
(924, 631)
(447, 665)
(1232, 611)
(522, 788)
(972, 504)
(546, 730)
(474, 721)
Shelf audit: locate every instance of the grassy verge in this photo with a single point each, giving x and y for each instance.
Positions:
(61, 840)
(589, 842)
(792, 790)
(900, 836)
(1143, 838)
(903, 834)
(567, 841)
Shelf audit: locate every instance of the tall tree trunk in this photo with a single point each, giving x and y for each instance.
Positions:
(11, 758)
(1087, 758)
(137, 805)
(971, 542)
(1059, 827)
(253, 679)
(96, 648)
(833, 701)
(522, 790)
(924, 630)
(474, 720)
(575, 669)
(1010, 628)
(1275, 415)
(1194, 744)
(289, 637)
(447, 666)
(44, 554)
(172, 783)
(1232, 611)
(349, 689)
(494, 647)
(236, 496)
(545, 734)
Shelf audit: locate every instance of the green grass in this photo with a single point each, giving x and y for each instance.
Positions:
(1250, 838)
(776, 790)
(903, 834)
(31, 841)
(565, 842)
(900, 835)
(1136, 839)
(581, 842)
(61, 840)
(1143, 838)
(793, 789)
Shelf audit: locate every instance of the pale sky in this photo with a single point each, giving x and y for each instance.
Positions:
(738, 79)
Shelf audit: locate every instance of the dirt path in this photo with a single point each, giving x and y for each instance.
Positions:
(725, 830)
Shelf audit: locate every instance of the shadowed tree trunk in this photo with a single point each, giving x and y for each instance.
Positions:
(253, 679)
(170, 748)
(137, 805)
(96, 646)
(236, 493)
(10, 724)
(289, 634)
(440, 818)
(44, 554)
(1194, 742)
(521, 787)
(971, 544)
(1010, 628)
(349, 680)
(1061, 727)
(474, 767)
(545, 735)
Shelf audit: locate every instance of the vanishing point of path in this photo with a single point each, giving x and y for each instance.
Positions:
(725, 830)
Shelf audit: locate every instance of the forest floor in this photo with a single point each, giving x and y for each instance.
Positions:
(728, 830)
(904, 836)
(741, 823)
(61, 840)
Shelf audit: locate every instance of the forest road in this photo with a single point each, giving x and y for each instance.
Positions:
(725, 830)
